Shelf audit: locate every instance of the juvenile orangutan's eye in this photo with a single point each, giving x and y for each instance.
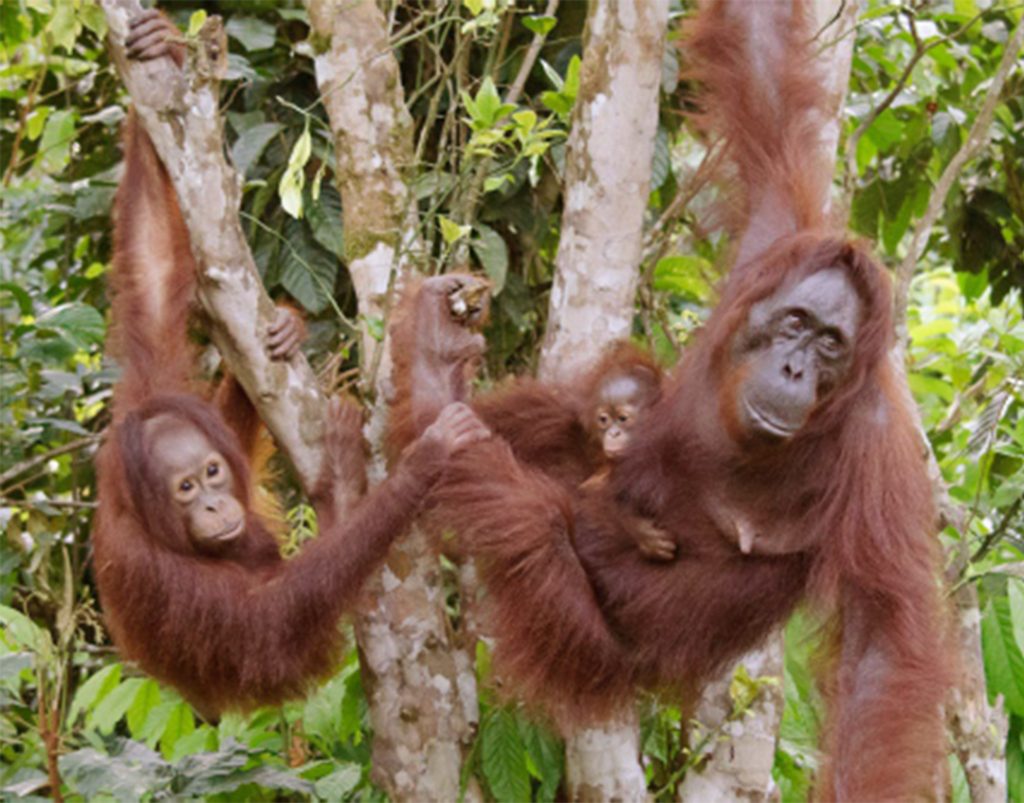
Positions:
(212, 470)
(186, 486)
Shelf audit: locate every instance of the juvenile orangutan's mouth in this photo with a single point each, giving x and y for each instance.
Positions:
(230, 532)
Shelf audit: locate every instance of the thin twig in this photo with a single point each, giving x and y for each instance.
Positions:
(529, 59)
(74, 504)
(36, 460)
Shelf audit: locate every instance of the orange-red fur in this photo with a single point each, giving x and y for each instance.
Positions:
(578, 628)
(246, 628)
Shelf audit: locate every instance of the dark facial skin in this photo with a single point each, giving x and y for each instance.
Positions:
(797, 347)
(199, 481)
(619, 402)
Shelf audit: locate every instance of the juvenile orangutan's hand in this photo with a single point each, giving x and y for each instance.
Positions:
(455, 428)
(285, 334)
(151, 35)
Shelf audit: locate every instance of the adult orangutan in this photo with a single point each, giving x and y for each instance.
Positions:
(783, 459)
(191, 580)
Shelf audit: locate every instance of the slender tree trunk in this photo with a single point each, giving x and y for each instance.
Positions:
(740, 767)
(607, 182)
(421, 687)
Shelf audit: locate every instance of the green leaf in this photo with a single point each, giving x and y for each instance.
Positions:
(491, 250)
(474, 6)
(131, 772)
(682, 275)
(451, 231)
(64, 26)
(308, 272)
(293, 179)
(146, 699)
(340, 783)
(55, 146)
(1004, 663)
(93, 18)
(250, 145)
(545, 755)
(196, 21)
(572, 78)
(539, 24)
(180, 722)
(325, 220)
(661, 160)
(21, 630)
(94, 690)
(113, 706)
(252, 33)
(13, 664)
(503, 756)
(81, 325)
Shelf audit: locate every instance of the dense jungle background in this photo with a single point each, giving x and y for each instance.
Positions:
(487, 179)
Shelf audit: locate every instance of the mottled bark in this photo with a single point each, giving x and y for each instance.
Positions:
(607, 182)
(421, 687)
(741, 750)
(978, 729)
(602, 763)
(180, 111)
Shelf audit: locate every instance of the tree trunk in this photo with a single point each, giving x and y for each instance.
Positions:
(592, 300)
(421, 687)
(607, 182)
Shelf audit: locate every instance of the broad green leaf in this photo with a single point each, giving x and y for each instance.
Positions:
(539, 24)
(451, 231)
(545, 758)
(180, 722)
(64, 25)
(294, 177)
(12, 664)
(146, 699)
(130, 773)
(682, 275)
(34, 122)
(253, 33)
(340, 783)
(80, 324)
(491, 250)
(94, 690)
(250, 144)
(324, 218)
(503, 756)
(93, 18)
(113, 706)
(55, 145)
(308, 272)
(661, 160)
(19, 630)
(1004, 664)
(195, 22)
(474, 6)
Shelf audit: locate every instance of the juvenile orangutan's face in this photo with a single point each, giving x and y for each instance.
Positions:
(200, 483)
